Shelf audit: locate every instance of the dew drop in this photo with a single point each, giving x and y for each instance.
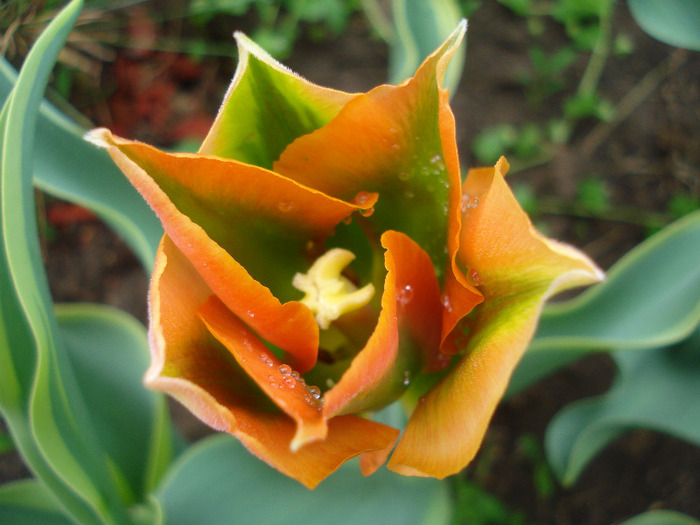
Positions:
(285, 206)
(289, 382)
(468, 202)
(362, 197)
(315, 391)
(475, 278)
(250, 313)
(367, 212)
(274, 384)
(406, 378)
(446, 302)
(404, 294)
(285, 370)
(266, 360)
(296, 375)
(443, 361)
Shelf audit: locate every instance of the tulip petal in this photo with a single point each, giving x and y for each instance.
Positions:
(241, 265)
(407, 336)
(518, 270)
(266, 107)
(189, 364)
(389, 141)
(270, 374)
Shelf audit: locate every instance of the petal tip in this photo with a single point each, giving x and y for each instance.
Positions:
(100, 137)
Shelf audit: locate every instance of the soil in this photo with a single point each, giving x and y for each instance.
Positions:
(650, 156)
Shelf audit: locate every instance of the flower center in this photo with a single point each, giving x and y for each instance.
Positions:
(329, 294)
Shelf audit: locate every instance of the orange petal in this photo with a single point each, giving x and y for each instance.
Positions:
(270, 374)
(203, 375)
(518, 270)
(266, 107)
(406, 338)
(389, 141)
(244, 228)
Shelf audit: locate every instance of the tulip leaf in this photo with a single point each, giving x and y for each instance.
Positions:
(29, 502)
(238, 484)
(68, 167)
(43, 406)
(661, 517)
(420, 26)
(675, 22)
(109, 353)
(651, 299)
(656, 389)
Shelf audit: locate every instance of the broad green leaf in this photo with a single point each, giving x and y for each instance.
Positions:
(656, 389)
(675, 22)
(52, 430)
(109, 352)
(420, 26)
(239, 488)
(70, 168)
(30, 503)
(651, 299)
(661, 517)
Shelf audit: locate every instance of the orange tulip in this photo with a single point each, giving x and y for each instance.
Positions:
(322, 259)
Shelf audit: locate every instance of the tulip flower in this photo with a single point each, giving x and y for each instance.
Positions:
(322, 259)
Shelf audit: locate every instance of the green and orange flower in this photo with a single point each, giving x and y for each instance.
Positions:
(322, 258)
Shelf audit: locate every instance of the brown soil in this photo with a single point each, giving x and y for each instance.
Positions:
(650, 156)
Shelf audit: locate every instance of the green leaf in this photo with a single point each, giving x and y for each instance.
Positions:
(656, 389)
(420, 27)
(675, 22)
(109, 352)
(29, 502)
(42, 406)
(661, 517)
(651, 299)
(70, 168)
(240, 488)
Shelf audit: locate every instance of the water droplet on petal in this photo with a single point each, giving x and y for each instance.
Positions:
(362, 197)
(250, 313)
(315, 391)
(443, 360)
(285, 370)
(468, 202)
(404, 294)
(289, 382)
(446, 302)
(367, 212)
(406, 378)
(295, 375)
(285, 206)
(475, 278)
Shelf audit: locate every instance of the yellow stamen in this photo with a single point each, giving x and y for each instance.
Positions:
(328, 294)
